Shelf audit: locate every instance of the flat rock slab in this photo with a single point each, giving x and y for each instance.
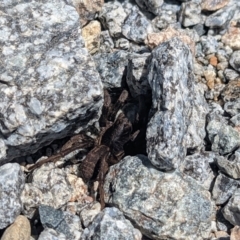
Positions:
(162, 205)
(48, 80)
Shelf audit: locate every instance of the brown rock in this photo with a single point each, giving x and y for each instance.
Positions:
(91, 36)
(232, 91)
(213, 5)
(221, 234)
(87, 9)
(210, 78)
(213, 61)
(232, 38)
(19, 230)
(154, 39)
(235, 233)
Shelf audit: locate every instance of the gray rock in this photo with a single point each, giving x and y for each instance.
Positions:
(51, 234)
(223, 189)
(190, 14)
(230, 74)
(231, 91)
(158, 203)
(178, 125)
(223, 137)
(112, 17)
(230, 166)
(111, 224)
(232, 107)
(197, 166)
(49, 83)
(122, 43)
(136, 27)
(106, 42)
(209, 44)
(111, 67)
(222, 223)
(232, 210)
(62, 222)
(137, 72)
(236, 120)
(221, 18)
(153, 6)
(164, 19)
(235, 60)
(199, 28)
(12, 182)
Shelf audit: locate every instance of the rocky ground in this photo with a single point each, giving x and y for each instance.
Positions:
(57, 56)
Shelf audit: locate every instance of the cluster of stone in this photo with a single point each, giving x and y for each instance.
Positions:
(56, 57)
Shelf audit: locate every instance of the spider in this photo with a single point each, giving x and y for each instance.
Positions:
(117, 123)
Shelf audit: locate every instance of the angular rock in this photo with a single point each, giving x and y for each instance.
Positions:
(190, 14)
(213, 5)
(235, 60)
(231, 91)
(158, 203)
(231, 74)
(197, 166)
(122, 43)
(178, 124)
(51, 234)
(91, 35)
(19, 230)
(111, 67)
(209, 45)
(12, 182)
(87, 9)
(153, 6)
(62, 222)
(49, 84)
(106, 42)
(232, 107)
(111, 224)
(230, 166)
(136, 27)
(232, 38)
(223, 189)
(45, 185)
(164, 19)
(222, 223)
(221, 18)
(112, 18)
(137, 72)
(235, 233)
(232, 210)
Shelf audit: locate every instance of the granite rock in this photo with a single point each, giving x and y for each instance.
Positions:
(158, 203)
(12, 182)
(51, 234)
(122, 43)
(111, 224)
(222, 223)
(232, 107)
(231, 91)
(235, 233)
(136, 26)
(106, 42)
(178, 124)
(19, 230)
(153, 6)
(232, 38)
(111, 67)
(231, 74)
(209, 44)
(190, 14)
(61, 221)
(223, 189)
(235, 60)
(49, 84)
(213, 5)
(164, 19)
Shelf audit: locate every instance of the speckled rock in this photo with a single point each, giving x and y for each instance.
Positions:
(88, 9)
(61, 221)
(111, 67)
(190, 14)
(231, 74)
(235, 233)
(197, 166)
(12, 182)
(209, 44)
(231, 91)
(122, 43)
(232, 210)
(222, 223)
(91, 35)
(51, 234)
(89, 213)
(221, 18)
(164, 19)
(49, 83)
(45, 185)
(178, 125)
(137, 72)
(232, 38)
(232, 107)
(19, 230)
(213, 5)
(136, 27)
(158, 203)
(111, 224)
(106, 42)
(112, 17)
(230, 166)
(235, 60)
(153, 6)
(223, 189)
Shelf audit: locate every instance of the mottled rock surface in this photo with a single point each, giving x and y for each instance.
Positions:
(61, 221)
(158, 203)
(235, 60)
(49, 84)
(235, 233)
(232, 38)
(213, 5)
(153, 6)
(12, 182)
(19, 230)
(178, 124)
(111, 224)
(51, 234)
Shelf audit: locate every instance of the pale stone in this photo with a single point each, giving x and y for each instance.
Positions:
(232, 38)
(213, 5)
